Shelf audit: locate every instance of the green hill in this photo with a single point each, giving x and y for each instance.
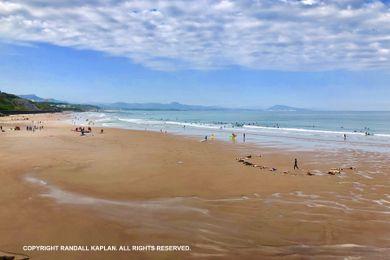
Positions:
(9, 102)
(12, 104)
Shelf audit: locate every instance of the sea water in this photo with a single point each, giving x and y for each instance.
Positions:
(297, 130)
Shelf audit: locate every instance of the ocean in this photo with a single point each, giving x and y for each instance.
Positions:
(296, 130)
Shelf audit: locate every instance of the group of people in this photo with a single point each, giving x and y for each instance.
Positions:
(34, 127)
(31, 128)
(82, 130)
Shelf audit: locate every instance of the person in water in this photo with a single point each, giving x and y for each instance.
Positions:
(345, 137)
(296, 164)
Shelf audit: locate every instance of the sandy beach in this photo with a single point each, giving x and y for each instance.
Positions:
(126, 187)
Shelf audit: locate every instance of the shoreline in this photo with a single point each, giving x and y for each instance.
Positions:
(142, 187)
(280, 138)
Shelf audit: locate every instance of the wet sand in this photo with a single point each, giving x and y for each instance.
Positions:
(143, 188)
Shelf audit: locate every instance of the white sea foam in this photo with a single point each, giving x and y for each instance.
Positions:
(363, 174)
(35, 181)
(383, 135)
(302, 130)
(141, 121)
(197, 125)
(303, 195)
(66, 197)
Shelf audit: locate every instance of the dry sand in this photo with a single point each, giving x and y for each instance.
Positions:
(143, 188)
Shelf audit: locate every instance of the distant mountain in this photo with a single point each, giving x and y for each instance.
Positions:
(155, 106)
(285, 108)
(35, 98)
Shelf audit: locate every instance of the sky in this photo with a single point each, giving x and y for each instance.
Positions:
(251, 53)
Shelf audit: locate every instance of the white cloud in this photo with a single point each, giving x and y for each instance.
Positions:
(204, 34)
(309, 2)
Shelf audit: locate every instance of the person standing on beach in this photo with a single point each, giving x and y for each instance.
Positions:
(296, 164)
(345, 137)
(243, 137)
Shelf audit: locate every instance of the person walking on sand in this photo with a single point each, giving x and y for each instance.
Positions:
(296, 164)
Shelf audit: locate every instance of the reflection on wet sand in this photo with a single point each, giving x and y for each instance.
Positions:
(292, 224)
